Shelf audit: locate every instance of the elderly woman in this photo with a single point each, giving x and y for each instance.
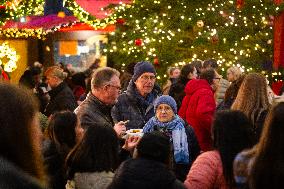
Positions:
(233, 73)
(184, 142)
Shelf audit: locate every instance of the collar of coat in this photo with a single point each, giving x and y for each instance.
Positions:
(133, 92)
(53, 92)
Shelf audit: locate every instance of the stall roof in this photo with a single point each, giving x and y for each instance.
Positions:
(66, 23)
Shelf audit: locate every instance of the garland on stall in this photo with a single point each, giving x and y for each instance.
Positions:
(8, 57)
(15, 10)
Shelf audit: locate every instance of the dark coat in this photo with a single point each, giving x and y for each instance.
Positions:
(54, 162)
(177, 91)
(11, 177)
(92, 111)
(61, 98)
(198, 108)
(144, 174)
(133, 107)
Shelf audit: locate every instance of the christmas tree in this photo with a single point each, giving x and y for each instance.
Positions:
(176, 32)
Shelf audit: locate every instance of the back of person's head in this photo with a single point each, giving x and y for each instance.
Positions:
(26, 80)
(210, 63)
(35, 70)
(209, 75)
(198, 65)
(232, 133)
(101, 76)
(56, 71)
(79, 79)
(252, 97)
(20, 135)
(96, 152)
(267, 170)
(61, 128)
(130, 68)
(154, 146)
(185, 70)
(143, 174)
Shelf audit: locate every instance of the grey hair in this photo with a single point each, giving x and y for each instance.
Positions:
(102, 76)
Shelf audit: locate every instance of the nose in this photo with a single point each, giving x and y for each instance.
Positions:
(163, 111)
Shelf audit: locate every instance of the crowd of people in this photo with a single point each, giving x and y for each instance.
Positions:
(60, 129)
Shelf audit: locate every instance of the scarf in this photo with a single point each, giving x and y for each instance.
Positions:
(177, 136)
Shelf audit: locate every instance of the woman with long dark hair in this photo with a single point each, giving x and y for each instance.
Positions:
(214, 169)
(263, 166)
(63, 132)
(91, 164)
(20, 139)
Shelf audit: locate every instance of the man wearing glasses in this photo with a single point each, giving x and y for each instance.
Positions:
(136, 103)
(96, 108)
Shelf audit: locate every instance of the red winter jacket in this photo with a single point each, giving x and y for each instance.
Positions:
(198, 107)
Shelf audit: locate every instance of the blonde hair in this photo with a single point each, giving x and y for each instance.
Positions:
(56, 71)
(252, 98)
(235, 71)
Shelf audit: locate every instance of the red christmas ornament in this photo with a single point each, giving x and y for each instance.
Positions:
(215, 39)
(240, 3)
(2, 10)
(120, 21)
(138, 42)
(156, 61)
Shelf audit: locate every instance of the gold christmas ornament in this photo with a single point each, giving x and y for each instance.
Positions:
(200, 23)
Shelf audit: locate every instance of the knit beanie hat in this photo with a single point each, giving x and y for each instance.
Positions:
(166, 99)
(142, 67)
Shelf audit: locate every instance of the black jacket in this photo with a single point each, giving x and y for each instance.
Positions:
(133, 107)
(54, 162)
(144, 174)
(61, 98)
(92, 111)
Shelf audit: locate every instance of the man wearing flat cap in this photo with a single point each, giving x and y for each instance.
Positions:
(136, 103)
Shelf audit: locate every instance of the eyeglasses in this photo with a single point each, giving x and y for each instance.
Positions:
(218, 78)
(165, 109)
(117, 87)
(147, 77)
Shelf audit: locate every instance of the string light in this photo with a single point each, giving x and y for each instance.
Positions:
(216, 28)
